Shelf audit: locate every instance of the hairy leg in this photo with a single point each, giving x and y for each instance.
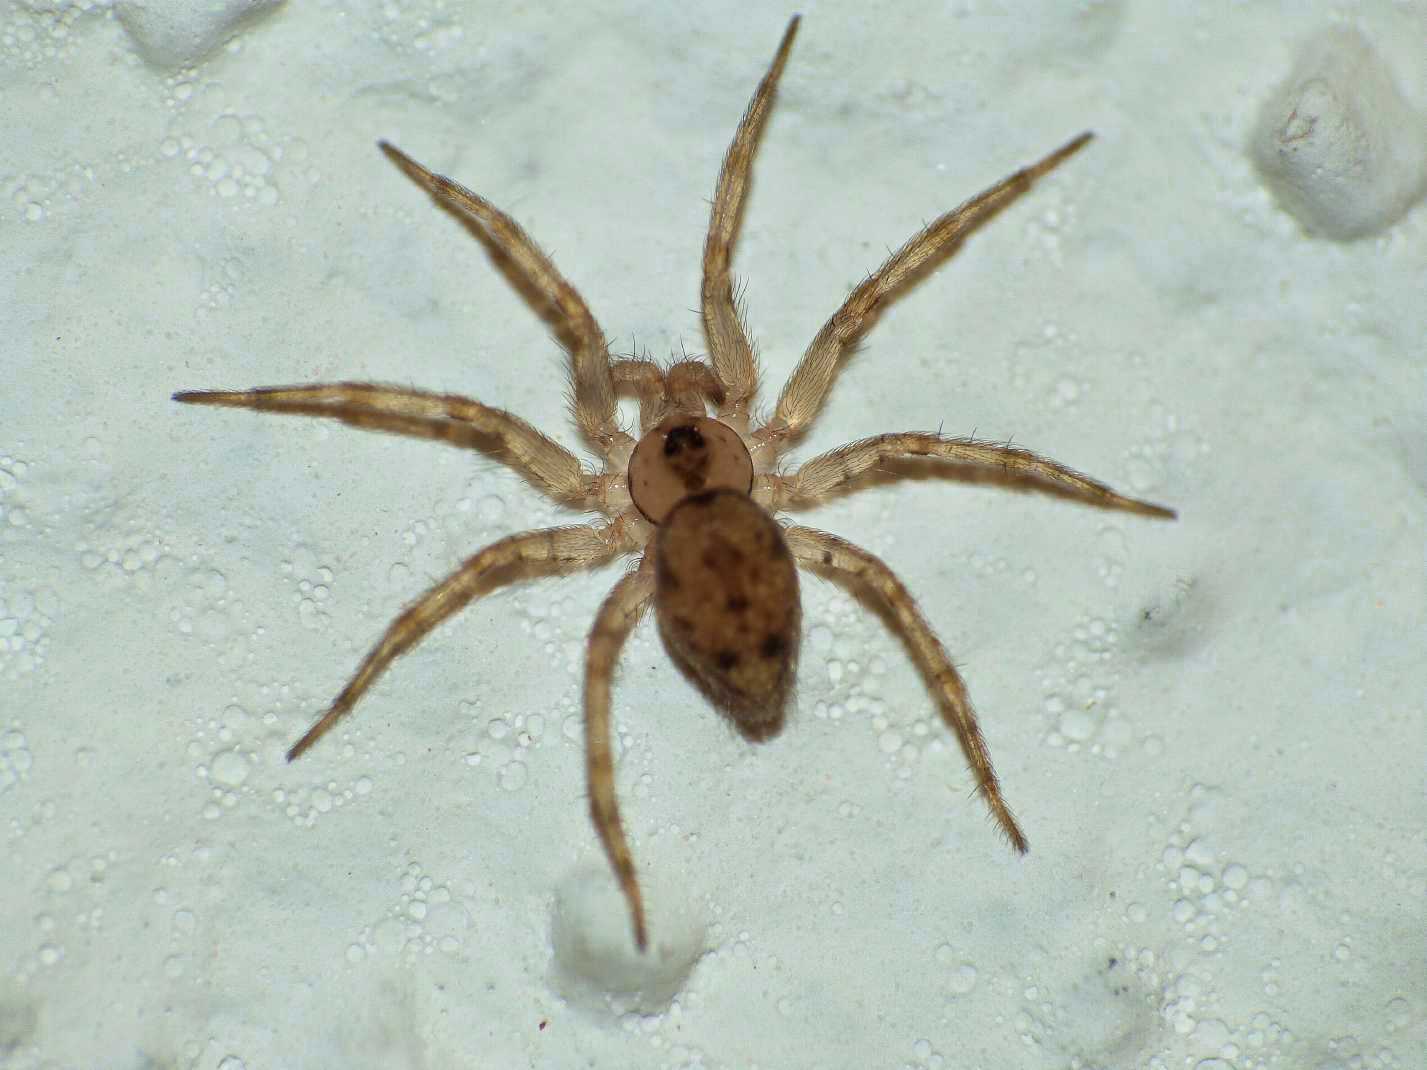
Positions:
(806, 389)
(853, 566)
(839, 470)
(529, 554)
(617, 617)
(594, 400)
(421, 414)
(729, 347)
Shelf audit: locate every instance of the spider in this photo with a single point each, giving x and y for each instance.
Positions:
(694, 495)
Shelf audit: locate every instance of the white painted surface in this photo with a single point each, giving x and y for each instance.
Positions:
(1212, 731)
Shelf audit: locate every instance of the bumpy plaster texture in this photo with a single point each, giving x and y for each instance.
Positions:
(1211, 730)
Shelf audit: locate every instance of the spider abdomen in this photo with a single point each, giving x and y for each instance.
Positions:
(726, 596)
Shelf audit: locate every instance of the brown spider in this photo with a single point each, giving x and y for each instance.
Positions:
(694, 494)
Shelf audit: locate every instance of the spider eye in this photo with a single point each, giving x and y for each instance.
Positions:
(682, 440)
(686, 455)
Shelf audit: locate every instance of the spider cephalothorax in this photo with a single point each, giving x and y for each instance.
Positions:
(696, 494)
(682, 455)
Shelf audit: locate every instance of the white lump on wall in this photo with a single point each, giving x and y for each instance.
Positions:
(179, 33)
(1340, 148)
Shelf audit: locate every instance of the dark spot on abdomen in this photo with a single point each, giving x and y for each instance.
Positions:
(773, 645)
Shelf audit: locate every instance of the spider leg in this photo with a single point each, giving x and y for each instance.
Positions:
(729, 347)
(420, 414)
(617, 617)
(839, 470)
(594, 399)
(806, 389)
(531, 553)
(855, 568)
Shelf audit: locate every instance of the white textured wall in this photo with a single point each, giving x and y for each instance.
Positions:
(1212, 730)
